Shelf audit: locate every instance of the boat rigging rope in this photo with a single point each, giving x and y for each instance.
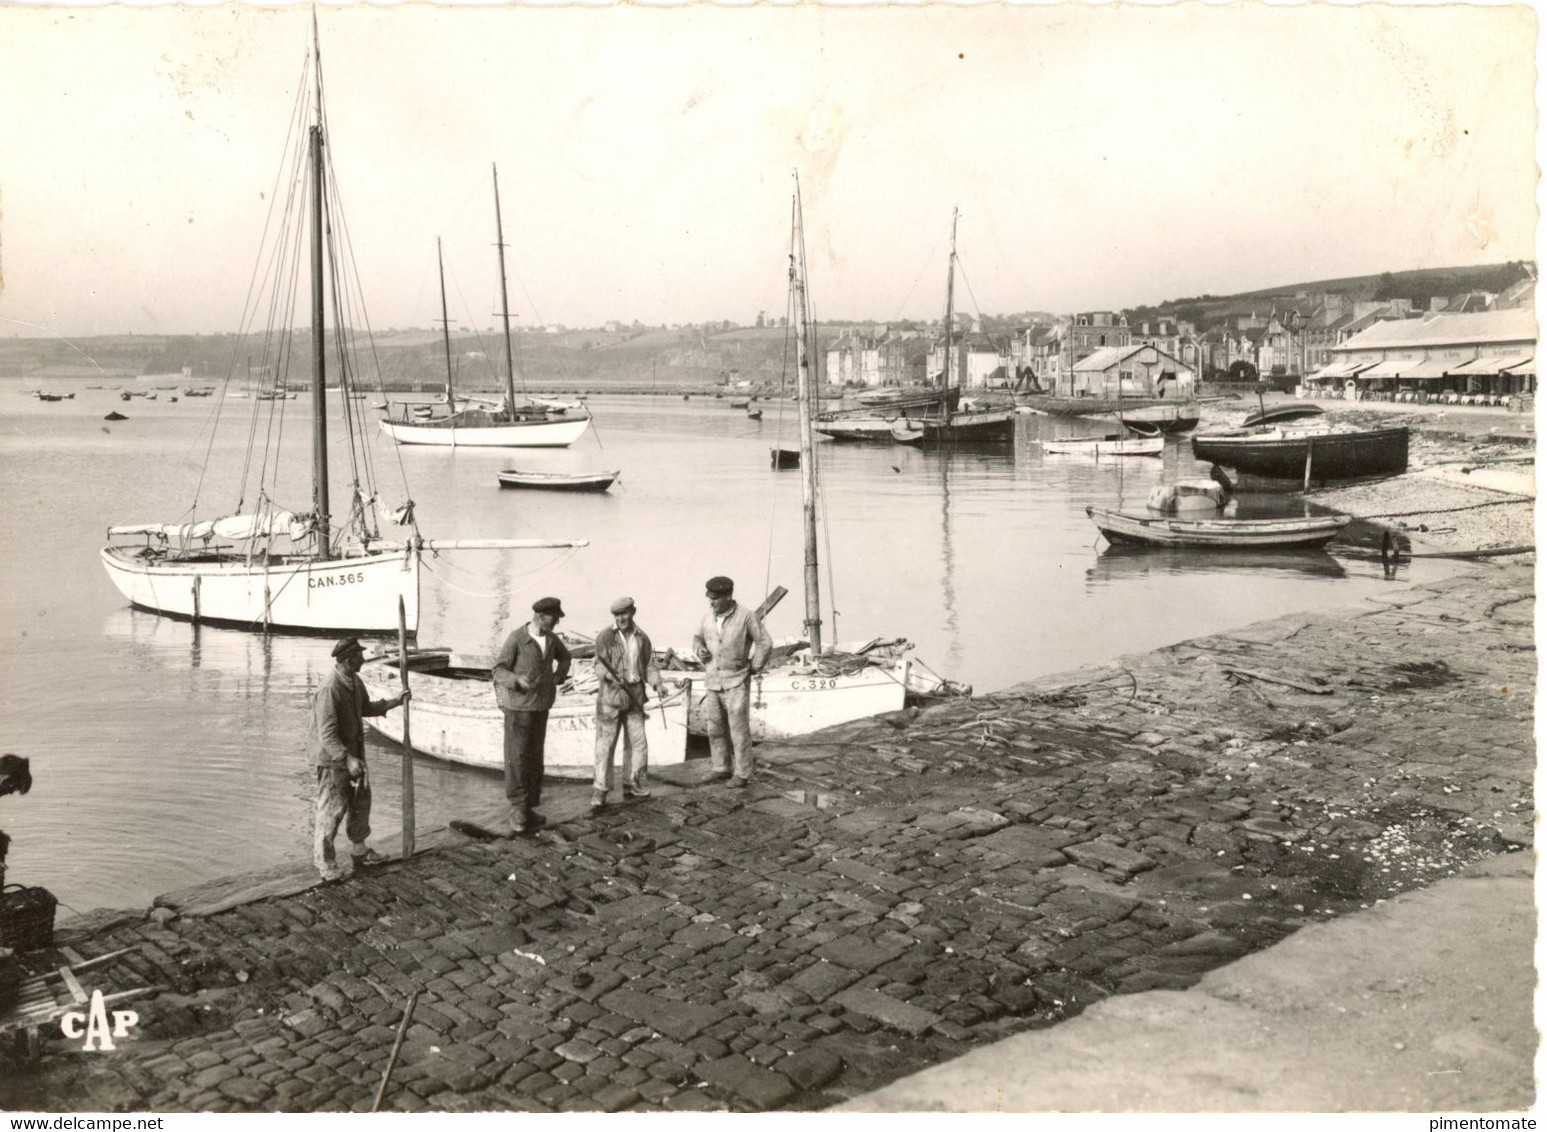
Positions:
(529, 576)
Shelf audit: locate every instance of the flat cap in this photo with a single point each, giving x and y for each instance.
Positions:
(622, 605)
(719, 586)
(548, 605)
(348, 645)
(15, 775)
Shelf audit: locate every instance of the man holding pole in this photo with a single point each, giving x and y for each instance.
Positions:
(734, 647)
(336, 745)
(625, 663)
(532, 663)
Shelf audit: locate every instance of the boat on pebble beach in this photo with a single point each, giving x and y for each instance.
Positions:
(1223, 533)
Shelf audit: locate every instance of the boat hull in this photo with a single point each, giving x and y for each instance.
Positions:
(1281, 453)
(358, 595)
(1079, 446)
(799, 700)
(972, 427)
(857, 428)
(515, 434)
(458, 721)
(553, 481)
(1176, 417)
(1225, 534)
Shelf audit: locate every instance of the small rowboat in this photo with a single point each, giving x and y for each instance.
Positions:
(785, 457)
(1233, 534)
(1105, 446)
(754, 414)
(558, 481)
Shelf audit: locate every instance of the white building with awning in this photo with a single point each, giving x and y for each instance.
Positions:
(1486, 357)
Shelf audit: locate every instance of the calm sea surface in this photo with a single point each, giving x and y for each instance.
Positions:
(165, 754)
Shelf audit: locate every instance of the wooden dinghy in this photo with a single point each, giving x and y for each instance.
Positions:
(1112, 445)
(557, 481)
(1232, 534)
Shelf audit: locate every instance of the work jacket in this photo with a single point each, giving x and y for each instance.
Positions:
(337, 728)
(612, 649)
(522, 658)
(736, 649)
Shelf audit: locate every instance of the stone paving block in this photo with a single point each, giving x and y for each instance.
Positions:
(746, 1081)
(701, 937)
(886, 1010)
(679, 1020)
(858, 953)
(1101, 853)
(866, 873)
(822, 980)
(644, 907)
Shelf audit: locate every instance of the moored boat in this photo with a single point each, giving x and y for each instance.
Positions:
(1176, 416)
(456, 718)
(1309, 452)
(1233, 534)
(557, 481)
(1113, 445)
(1281, 413)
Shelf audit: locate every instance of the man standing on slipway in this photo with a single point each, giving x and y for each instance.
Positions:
(734, 647)
(625, 664)
(337, 749)
(532, 663)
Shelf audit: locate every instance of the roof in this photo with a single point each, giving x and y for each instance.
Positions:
(1516, 326)
(1109, 356)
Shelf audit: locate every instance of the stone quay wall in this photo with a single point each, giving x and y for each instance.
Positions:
(886, 896)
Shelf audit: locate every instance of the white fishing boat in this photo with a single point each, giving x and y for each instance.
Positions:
(263, 565)
(1112, 445)
(810, 687)
(481, 424)
(455, 716)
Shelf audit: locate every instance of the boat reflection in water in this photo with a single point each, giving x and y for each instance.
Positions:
(1118, 563)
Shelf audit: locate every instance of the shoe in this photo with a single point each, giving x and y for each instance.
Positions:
(739, 783)
(635, 792)
(599, 803)
(720, 776)
(535, 820)
(368, 859)
(333, 875)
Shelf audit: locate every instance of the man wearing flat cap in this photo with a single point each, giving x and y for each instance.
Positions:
(531, 664)
(625, 665)
(336, 743)
(733, 646)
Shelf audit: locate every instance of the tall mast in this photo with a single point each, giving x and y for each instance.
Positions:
(950, 301)
(445, 326)
(499, 235)
(806, 387)
(319, 364)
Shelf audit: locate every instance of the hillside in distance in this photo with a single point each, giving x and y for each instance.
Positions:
(1417, 286)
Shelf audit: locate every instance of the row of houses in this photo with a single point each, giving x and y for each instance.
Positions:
(1098, 352)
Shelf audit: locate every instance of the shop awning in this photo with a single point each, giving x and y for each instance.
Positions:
(1499, 363)
(1391, 367)
(1429, 369)
(1345, 368)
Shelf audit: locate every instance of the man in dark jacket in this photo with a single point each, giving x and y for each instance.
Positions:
(336, 746)
(532, 663)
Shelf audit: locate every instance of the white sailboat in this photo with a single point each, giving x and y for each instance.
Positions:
(506, 424)
(329, 574)
(815, 687)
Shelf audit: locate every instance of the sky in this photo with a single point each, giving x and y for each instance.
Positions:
(1101, 157)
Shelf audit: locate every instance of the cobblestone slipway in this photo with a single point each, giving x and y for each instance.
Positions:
(886, 896)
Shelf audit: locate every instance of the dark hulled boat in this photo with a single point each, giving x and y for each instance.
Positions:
(1315, 452)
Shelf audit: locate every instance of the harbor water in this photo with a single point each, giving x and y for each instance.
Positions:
(164, 753)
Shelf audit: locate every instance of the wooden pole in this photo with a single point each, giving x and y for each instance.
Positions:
(408, 749)
(397, 1046)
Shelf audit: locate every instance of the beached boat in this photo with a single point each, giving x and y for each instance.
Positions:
(1110, 445)
(557, 481)
(1308, 452)
(1231, 534)
(339, 573)
(899, 398)
(1281, 413)
(1163, 418)
(456, 718)
(502, 424)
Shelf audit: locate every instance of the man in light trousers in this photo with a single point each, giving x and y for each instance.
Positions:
(625, 665)
(734, 647)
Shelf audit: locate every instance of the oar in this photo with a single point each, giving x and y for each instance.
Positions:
(397, 1046)
(408, 748)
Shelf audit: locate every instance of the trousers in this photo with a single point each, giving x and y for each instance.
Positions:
(610, 723)
(340, 800)
(727, 718)
(525, 734)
